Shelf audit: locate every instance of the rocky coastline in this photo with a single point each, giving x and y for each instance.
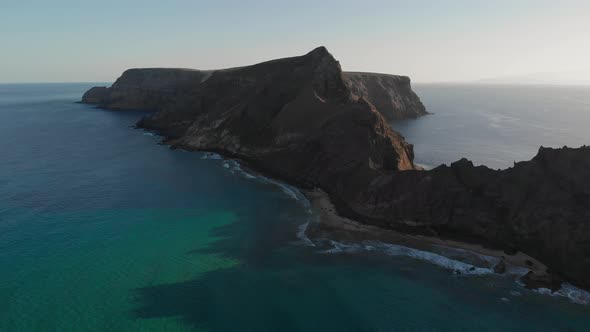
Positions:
(305, 121)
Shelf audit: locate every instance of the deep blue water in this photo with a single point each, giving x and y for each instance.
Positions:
(496, 125)
(102, 229)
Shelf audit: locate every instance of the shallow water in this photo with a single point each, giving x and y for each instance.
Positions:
(102, 229)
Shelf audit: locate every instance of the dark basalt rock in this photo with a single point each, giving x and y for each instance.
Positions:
(500, 268)
(534, 281)
(540, 207)
(303, 120)
(145, 89)
(95, 95)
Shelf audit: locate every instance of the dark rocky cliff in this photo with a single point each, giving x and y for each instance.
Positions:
(540, 207)
(146, 89)
(392, 95)
(153, 88)
(302, 119)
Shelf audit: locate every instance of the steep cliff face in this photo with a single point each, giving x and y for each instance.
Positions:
(155, 88)
(146, 89)
(392, 95)
(540, 207)
(302, 119)
(293, 117)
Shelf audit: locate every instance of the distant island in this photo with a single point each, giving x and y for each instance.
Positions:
(305, 121)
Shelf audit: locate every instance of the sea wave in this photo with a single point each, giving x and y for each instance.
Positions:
(302, 236)
(464, 255)
(572, 293)
(213, 156)
(288, 190)
(236, 168)
(292, 192)
(456, 266)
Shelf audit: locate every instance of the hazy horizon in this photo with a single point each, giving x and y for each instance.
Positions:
(458, 41)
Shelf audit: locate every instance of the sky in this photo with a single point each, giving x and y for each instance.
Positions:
(430, 41)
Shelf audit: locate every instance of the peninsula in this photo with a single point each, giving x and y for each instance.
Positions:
(304, 120)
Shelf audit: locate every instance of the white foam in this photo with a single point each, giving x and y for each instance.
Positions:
(544, 291)
(573, 293)
(338, 247)
(466, 255)
(235, 167)
(399, 250)
(288, 190)
(301, 235)
(213, 156)
(516, 270)
(445, 262)
(249, 176)
(147, 133)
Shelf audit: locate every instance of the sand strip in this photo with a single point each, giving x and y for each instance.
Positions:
(335, 227)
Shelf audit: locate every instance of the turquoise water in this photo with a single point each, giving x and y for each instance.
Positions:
(102, 229)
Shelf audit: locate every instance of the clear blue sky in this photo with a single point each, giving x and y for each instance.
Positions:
(62, 40)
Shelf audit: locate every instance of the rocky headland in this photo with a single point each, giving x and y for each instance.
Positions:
(305, 121)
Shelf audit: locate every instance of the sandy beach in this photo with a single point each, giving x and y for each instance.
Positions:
(333, 226)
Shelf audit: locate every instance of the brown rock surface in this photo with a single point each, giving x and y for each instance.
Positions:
(392, 95)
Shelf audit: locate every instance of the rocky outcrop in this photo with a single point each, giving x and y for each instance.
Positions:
(154, 88)
(303, 120)
(392, 95)
(295, 118)
(146, 89)
(540, 207)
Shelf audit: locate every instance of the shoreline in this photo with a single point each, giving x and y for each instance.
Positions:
(329, 222)
(329, 225)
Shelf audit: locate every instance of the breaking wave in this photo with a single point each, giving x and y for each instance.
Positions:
(302, 236)
(399, 250)
(234, 167)
(213, 156)
(453, 259)
(567, 290)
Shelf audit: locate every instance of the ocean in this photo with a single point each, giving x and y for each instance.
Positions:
(496, 125)
(104, 229)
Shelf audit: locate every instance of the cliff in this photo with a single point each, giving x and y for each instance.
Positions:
(295, 118)
(392, 95)
(154, 88)
(146, 89)
(303, 120)
(540, 207)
